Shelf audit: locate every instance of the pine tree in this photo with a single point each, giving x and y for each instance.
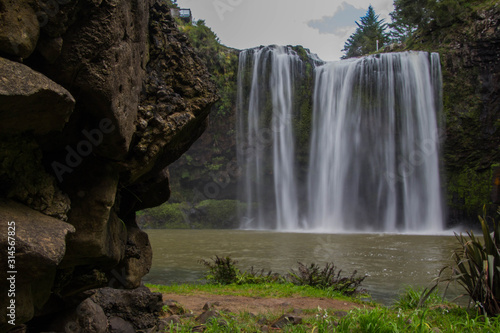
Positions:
(364, 39)
(407, 17)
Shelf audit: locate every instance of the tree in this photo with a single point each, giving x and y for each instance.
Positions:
(410, 15)
(407, 17)
(364, 39)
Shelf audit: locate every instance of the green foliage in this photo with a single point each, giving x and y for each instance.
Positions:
(221, 61)
(406, 17)
(219, 214)
(469, 189)
(326, 278)
(171, 214)
(411, 299)
(221, 270)
(477, 266)
(208, 214)
(259, 276)
(364, 40)
(425, 15)
(410, 15)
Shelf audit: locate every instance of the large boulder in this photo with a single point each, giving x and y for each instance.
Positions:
(20, 28)
(140, 306)
(102, 60)
(29, 101)
(39, 244)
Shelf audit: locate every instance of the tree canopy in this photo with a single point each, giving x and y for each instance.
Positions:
(407, 17)
(364, 40)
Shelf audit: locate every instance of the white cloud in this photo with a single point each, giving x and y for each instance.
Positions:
(248, 23)
(340, 22)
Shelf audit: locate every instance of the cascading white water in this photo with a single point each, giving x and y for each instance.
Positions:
(265, 121)
(374, 145)
(374, 162)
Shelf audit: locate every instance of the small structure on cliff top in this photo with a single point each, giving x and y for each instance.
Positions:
(183, 13)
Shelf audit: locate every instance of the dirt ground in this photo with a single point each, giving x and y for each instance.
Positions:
(258, 305)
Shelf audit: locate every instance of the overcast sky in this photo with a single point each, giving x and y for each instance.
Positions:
(322, 26)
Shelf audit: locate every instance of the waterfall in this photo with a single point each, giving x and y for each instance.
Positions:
(373, 161)
(265, 136)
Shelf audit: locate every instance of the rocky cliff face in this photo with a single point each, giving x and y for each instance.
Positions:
(470, 53)
(97, 98)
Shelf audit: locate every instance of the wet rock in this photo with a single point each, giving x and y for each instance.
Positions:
(29, 101)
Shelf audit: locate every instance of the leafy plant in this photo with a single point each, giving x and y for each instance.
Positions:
(410, 299)
(326, 278)
(477, 267)
(221, 270)
(259, 276)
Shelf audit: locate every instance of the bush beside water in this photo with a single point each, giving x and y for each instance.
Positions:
(208, 214)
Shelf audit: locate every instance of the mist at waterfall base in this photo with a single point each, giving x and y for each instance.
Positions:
(369, 161)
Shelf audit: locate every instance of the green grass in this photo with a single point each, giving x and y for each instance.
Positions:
(404, 316)
(271, 290)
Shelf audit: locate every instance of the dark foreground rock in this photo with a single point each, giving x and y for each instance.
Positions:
(140, 306)
(97, 98)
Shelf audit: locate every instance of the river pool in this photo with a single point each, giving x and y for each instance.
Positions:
(390, 261)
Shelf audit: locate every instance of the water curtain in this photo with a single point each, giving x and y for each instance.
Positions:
(373, 161)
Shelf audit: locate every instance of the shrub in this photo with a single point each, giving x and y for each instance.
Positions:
(411, 297)
(326, 278)
(221, 270)
(259, 276)
(477, 267)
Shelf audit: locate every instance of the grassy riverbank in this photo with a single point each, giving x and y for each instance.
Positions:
(262, 307)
